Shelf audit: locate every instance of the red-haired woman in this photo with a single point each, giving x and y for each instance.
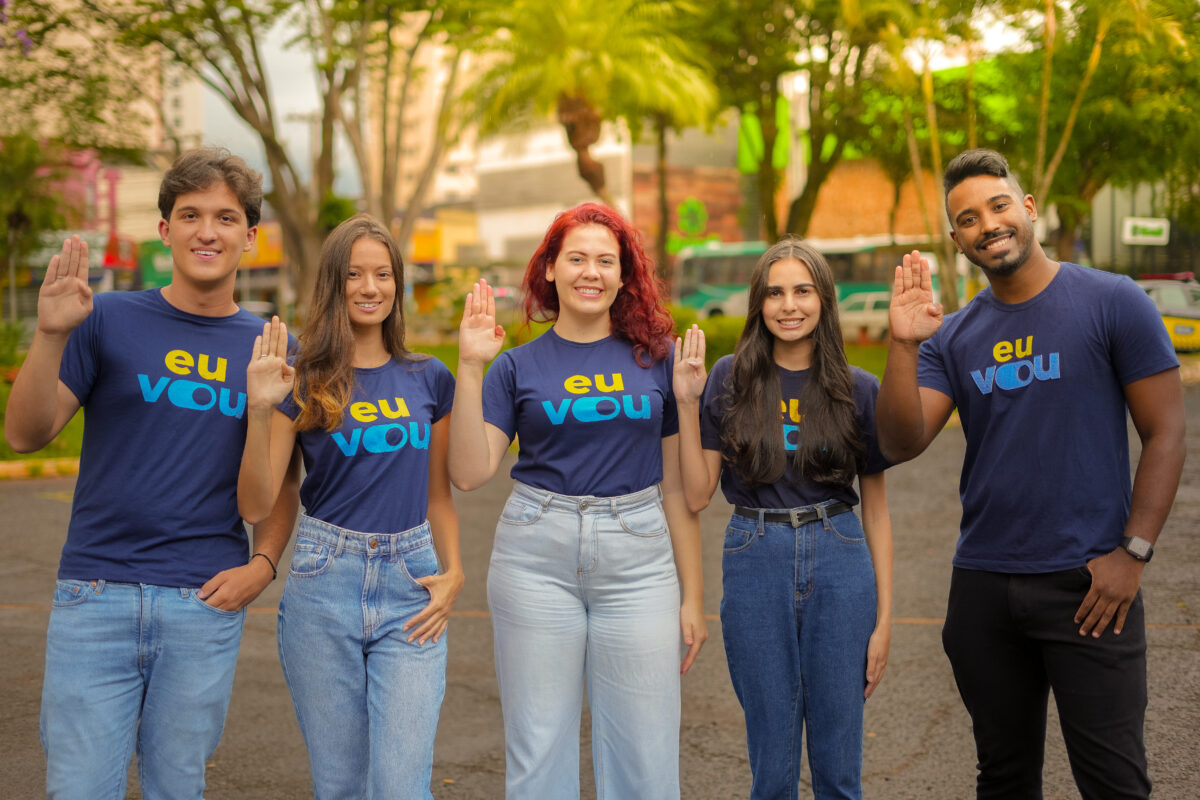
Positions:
(595, 568)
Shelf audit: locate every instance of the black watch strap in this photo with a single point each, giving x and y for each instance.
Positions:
(1138, 547)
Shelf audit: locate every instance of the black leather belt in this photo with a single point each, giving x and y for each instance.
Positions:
(797, 516)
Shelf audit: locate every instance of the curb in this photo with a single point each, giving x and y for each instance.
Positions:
(38, 468)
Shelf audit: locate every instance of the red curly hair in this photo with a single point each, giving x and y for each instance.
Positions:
(638, 315)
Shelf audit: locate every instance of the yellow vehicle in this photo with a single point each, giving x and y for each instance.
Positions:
(1179, 303)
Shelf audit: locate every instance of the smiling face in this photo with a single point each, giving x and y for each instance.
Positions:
(993, 223)
(792, 307)
(370, 283)
(587, 273)
(207, 233)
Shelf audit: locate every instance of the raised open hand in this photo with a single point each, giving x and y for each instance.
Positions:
(479, 337)
(690, 376)
(914, 315)
(269, 378)
(65, 298)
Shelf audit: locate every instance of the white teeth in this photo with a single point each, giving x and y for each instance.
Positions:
(589, 291)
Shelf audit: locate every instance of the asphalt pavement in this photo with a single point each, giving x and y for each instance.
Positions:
(918, 739)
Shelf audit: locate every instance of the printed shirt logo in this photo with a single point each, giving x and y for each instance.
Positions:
(382, 437)
(1016, 374)
(789, 409)
(596, 408)
(184, 392)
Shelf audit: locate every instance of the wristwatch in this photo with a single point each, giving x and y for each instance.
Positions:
(1138, 547)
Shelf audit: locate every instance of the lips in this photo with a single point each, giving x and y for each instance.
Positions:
(995, 242)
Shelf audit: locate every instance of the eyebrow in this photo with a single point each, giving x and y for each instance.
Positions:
(794, 286)
(990, 200)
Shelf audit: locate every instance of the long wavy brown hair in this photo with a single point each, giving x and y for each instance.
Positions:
(325, 365)
(831, 449)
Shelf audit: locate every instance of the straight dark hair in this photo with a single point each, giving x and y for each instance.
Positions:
(831, 447)
(972, 164)
(325, 365)
(197, 170)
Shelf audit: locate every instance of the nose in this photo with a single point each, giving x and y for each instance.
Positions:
(369, 286)
(207, 230)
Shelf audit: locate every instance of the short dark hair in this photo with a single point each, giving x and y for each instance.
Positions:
(197, 170)
(973, 163)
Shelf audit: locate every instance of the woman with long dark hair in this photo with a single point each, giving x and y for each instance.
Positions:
(786, 425)
(363, 618)
(595, 568)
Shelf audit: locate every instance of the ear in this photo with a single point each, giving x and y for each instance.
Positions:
(164, 232)
(251, 237)
(1031, 207)
(550, 272)
(954, 238)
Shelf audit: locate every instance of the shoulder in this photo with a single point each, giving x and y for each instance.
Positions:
(863, 379)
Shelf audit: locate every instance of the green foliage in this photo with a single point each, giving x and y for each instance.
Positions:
(334, 210)
(66, 445)
(10, 339)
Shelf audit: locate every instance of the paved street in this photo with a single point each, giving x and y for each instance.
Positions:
(918, 735)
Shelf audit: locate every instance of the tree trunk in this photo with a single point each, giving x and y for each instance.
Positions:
(581, 121)
(664, 211)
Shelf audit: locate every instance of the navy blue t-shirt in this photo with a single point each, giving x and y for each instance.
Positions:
(1038, 385)
(588, 418)
(372, 473)
(164, 403)
(791, 490)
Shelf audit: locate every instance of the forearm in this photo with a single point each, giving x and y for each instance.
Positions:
(698, 483)
(443, 523)
(256, 480)
(31, 419)
(899, 418)
(271, 535)
(1155, 483)
(469, 456)
(877, 525)
(684, 527)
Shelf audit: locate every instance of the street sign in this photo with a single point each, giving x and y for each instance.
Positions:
(1146, 230)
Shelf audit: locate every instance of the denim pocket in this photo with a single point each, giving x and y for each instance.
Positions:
(737, 539)
(847, 528)
(519, 511)
(220, 612)
(309, 558)
(420, 562)
(647, 520)
(71, 593)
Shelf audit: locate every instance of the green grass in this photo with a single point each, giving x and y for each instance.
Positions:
(65, 445)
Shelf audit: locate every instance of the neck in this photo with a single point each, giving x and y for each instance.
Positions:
(1027, 281)
(368, 347)
(793, 355)
(574, 329)
(216, 301)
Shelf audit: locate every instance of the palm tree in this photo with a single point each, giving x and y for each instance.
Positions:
(589, 61)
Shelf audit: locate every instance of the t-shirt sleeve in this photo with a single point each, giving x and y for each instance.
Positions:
(670, 417)
(866, 390)
(499, 395)
(443, 389)
(712, 405)
(931, 364)
(1138, 340)
(81, 358)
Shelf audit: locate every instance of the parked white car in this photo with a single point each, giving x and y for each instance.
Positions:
(864, 314)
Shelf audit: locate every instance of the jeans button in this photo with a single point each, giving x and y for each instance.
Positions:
(583, 506)
(373, 543)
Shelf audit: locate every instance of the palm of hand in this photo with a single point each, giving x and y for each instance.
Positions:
(269, 380)
(478, 338)
(63, 304)
(910, 316)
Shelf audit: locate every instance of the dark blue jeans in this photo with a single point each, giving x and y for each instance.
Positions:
(1011, 638)
(798, 609)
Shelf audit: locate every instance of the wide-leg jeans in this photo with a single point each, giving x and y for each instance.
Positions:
(585, 588)
(797, 611)
(134, 666)
(367, 699)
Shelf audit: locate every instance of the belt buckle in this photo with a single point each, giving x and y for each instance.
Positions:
(796, 514)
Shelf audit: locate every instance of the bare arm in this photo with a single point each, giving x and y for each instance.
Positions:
(40, 404)
(270, 434)
(233, 589)
(476, 447)
(431, 621)
(700, 469)
(684, 526)
(908, 417)
(877, 524)
(1156, 407)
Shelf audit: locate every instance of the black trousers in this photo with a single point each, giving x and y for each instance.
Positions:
(1011, 638)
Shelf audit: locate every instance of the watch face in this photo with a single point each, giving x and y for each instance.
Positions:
(1138, 548)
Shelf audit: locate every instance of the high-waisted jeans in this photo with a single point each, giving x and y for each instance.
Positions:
(366, 698)
(585, 588)
(798, 610)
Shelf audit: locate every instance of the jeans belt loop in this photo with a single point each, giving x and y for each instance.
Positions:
(341, 545)
(762, 522)
(824, 512)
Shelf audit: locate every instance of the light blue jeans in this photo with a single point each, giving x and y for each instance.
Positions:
(366, 698)
(134, 665)
(797, 611)
(585, 588)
